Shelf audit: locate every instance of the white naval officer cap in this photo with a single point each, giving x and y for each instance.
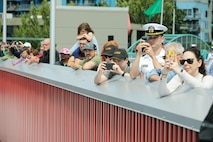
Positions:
(154, 29)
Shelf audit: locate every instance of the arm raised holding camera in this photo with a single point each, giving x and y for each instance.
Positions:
(150, 52)
(117, 69)
(100, 77)
(134, 70)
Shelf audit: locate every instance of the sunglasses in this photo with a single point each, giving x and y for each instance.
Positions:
(189, 61)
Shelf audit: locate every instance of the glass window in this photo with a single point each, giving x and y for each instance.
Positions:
(189, 12)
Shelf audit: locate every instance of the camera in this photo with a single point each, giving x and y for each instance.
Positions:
(109, 66)
(170, 55)
(14, 47)
(143, 49)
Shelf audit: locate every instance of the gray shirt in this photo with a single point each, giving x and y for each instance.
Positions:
(110, 74)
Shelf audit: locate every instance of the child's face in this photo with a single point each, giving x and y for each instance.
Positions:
(24, 54)
(83, 31)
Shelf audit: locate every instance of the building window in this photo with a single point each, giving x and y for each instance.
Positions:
(206, 36)
(195, 11)
(189, 12)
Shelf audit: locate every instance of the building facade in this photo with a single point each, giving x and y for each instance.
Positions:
(198, 13)
(210, 20)
(18, 7)
(198, 16)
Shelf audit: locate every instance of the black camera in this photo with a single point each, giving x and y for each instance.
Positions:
(11, 46)
(109, 66)
(143, 49)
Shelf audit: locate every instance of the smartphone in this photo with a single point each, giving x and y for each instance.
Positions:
(170, 55)
(109, 66)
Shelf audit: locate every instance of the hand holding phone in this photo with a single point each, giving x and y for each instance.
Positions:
(170, 55)
(143, 49)
(109, 66)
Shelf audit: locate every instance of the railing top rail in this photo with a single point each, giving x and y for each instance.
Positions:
(175, 37)
(23, 38)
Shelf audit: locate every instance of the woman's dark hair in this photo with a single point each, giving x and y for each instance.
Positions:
(196, 51)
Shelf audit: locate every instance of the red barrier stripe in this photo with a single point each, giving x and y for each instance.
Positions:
(32, 111)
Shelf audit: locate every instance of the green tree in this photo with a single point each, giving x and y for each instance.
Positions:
(137, 8)
(32, 27)
(44, 10)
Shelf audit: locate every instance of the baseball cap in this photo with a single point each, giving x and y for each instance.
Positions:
(154, 29)
(27, 45)
(109, 50)
(64, 51)
(120, 54)
(90, 46)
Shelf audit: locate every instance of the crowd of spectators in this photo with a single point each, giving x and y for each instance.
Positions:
(169, 64)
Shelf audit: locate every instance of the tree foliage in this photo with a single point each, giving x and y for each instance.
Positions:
(44, 10)
(137, 8)
(32, 26)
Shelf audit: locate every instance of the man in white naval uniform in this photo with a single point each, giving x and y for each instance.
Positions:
(150, 53)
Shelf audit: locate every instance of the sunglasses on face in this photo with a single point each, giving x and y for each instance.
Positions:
(189, 61)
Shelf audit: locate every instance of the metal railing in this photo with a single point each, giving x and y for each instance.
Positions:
(185, 39)
(23, 38)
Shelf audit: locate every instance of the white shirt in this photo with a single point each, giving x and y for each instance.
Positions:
(201, 81)
(146, 63)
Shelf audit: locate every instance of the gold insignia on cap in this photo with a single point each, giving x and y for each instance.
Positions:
(108, 48)
(118, 52)
(151, 29)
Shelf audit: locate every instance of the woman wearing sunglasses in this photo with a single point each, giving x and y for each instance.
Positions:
(193, 73)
